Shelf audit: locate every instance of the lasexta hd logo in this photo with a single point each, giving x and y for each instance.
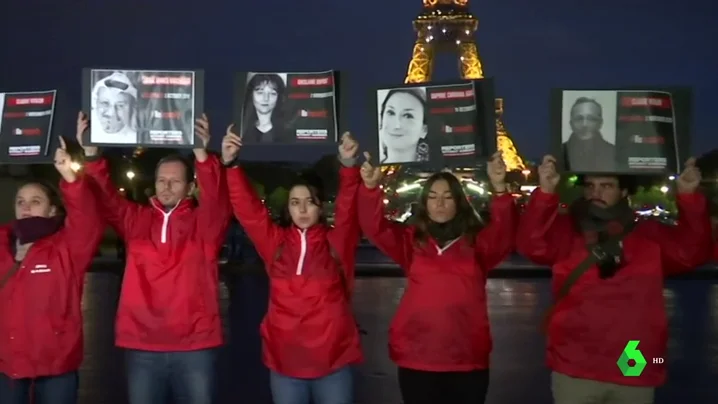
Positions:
(631, 353)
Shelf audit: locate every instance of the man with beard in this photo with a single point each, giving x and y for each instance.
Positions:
(586, 150)
(168, 318)
(114, 110)
(608, 273)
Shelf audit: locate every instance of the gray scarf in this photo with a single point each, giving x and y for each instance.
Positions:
(601, 227)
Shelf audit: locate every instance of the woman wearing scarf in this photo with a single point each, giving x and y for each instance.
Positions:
(608, 321)
(44, 254)
(440, 336)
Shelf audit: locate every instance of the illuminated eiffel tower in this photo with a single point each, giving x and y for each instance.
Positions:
(448, 25)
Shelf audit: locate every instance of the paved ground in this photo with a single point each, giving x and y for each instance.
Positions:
(517, 375)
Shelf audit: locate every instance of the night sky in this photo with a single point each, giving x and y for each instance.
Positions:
(528, 46)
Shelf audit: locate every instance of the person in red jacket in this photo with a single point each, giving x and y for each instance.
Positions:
(618, 298)
(44, 254)
(310, 338)
(168, 318)
(440, 336)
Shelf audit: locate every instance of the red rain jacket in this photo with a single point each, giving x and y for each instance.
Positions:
(442, 322)
(309, 330)
(592, 325)
(40, 305)
(170, 292)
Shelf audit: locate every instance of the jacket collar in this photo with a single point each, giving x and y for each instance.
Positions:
(318, 231)
(183, 205)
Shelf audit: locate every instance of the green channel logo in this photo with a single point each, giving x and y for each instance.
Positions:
(631, 352)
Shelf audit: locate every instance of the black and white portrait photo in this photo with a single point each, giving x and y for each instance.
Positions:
(434, 125)
(276, 108)
(588, 131)
(114, 108)
(142, 107)
(265, 110)
(26, 121)
(403, 125)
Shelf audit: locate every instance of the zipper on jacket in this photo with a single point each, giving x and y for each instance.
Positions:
(440, 250)
(166, 221)
(302, 251)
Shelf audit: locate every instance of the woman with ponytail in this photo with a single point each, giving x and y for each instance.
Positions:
(44, 254)
(309, 335)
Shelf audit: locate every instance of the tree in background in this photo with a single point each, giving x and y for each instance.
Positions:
(652, 196)
(259, 189)
(277, 198)
(567, 189)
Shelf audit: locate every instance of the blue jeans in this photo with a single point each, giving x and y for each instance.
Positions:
(185, 377)
(60, 389)
(336, 388)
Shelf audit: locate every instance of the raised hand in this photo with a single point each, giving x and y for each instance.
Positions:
(690, 179)
(201, 129)
(370, 174)
(496, 171)
(231, 143)
(348, 146)
(63, 162)
(82, 124)
(548, 176)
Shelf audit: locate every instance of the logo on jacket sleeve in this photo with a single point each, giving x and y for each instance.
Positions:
(40, 269)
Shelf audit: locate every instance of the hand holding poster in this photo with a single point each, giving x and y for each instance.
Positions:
(617, 131)
(147, 108)
(280, 108)
(440, 126)
(26, 120)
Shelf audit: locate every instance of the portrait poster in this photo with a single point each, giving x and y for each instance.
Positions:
(275, 108)
(434, 125)
(619, 131)
(148, 108)
(26, 123)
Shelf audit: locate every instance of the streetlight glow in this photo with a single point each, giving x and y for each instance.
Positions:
(664, 189)
(130, 175)
(75, 166)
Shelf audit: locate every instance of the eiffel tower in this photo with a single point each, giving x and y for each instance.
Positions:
(448, 25)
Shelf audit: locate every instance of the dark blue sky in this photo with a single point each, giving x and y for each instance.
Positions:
(529, 46)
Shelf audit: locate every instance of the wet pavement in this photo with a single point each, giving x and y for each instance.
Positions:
(518, 374)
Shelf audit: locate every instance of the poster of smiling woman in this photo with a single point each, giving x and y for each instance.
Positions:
(150, 108)
(273, 108)
(435, 125)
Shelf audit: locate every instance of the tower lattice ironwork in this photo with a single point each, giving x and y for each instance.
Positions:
(448, 25)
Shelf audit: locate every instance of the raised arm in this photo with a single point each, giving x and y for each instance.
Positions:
(393, 239)
(496, 241)
(252, 214)
(114, 208)
(117, 211)
(213, 212)
(345, 234)
(84, 227)
(687, 245)
(544, 235)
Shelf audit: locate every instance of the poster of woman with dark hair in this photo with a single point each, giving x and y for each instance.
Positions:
(434, 125)
(403, 125)
(264, 118)
(275, 108)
